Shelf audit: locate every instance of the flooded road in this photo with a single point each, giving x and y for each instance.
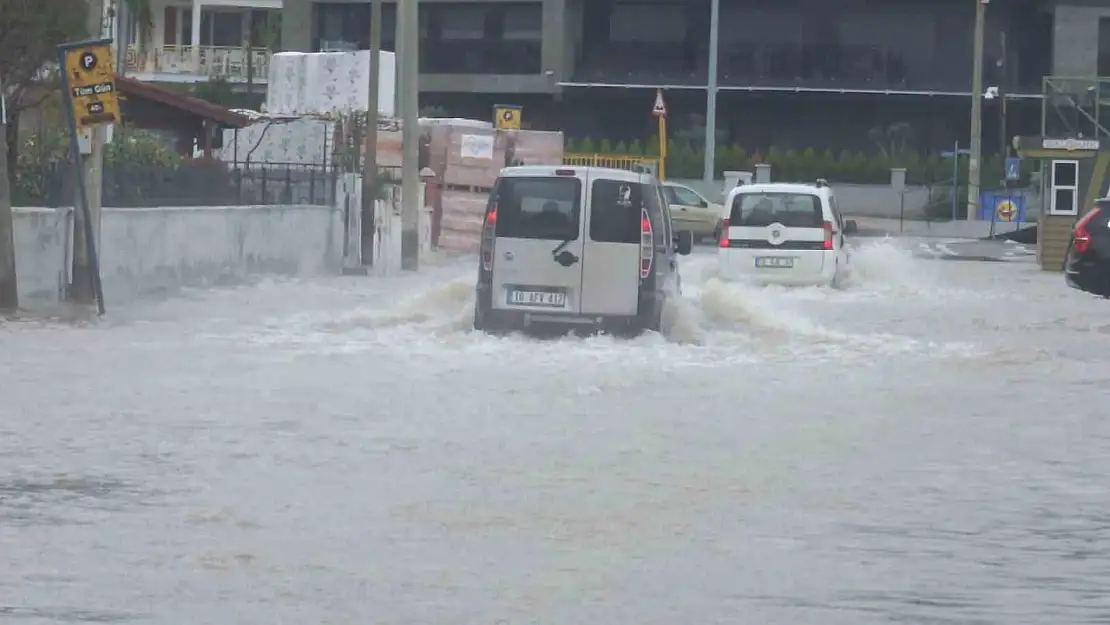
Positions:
(930, 445)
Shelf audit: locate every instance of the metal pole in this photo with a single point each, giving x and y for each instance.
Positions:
(9, 288)
(709, 171)
(370, 162)
(975, 160)
(408, 15)
(955, 179)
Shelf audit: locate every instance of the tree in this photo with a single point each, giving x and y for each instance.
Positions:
(30, 32)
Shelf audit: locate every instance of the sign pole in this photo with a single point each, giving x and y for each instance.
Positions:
(660, 113)
(88, 81)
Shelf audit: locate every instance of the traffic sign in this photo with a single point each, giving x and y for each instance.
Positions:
(660, 107)
(1006, 210)
(1013, 168)
(90, 80)
(506, 117)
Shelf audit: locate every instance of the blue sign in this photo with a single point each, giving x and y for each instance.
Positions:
(1013, 169)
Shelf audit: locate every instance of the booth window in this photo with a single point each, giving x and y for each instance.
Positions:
(1065, 188)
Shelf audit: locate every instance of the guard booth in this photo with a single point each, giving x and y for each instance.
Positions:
(1074, 176)
(1073, 149)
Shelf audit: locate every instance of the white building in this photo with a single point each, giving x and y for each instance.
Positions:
(197, 40)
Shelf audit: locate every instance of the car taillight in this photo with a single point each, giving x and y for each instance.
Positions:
(1082, 241)
(828, 243)
(488, 238)
(647, 244)
(723, 242)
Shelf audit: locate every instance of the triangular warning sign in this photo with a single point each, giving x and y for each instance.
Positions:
(660, 108)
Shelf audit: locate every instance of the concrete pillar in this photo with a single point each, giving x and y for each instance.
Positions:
(297, 26)
(554, 38)
(762, 173)
(195, 43)
(732, 179)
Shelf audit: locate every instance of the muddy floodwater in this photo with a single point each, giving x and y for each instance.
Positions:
(930, 445)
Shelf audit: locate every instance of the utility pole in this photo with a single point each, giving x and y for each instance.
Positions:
(82, 291)
(9, 288)
(1003, 144)
(409, 29)
(709, 173)
(370, 162)
(974, 161)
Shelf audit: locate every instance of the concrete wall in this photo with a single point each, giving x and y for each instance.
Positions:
(1075, 38)
(155, 250)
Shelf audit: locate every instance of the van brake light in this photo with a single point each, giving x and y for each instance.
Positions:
(488, 232)
(828, 243)
(724, 234)
(647, 244)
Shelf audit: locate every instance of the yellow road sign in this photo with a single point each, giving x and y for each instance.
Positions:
(1006, 210)
(506, 117)
(91, 82)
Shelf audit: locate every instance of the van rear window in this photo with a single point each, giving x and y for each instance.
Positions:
(793, 210)
(616, 208)
(538, 208)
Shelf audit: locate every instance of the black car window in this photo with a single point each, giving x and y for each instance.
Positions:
(616, 208)
(539, 207)
(793, 210)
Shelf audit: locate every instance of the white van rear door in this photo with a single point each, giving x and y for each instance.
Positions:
(537, 262)
(611, 277)
(776, 232)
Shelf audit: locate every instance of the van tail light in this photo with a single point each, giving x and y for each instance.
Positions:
(488, 238)
(828, 243)
(724, 234)
(647, 244)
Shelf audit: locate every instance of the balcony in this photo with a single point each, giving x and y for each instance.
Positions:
(173, 63)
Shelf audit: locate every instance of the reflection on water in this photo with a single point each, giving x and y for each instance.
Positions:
(925, 446)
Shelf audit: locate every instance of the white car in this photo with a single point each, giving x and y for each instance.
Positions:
(779, 233)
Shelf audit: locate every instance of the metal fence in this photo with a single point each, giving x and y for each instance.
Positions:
(192, 183)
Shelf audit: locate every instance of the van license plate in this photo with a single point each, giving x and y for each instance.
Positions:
(774, 262)
(546, 299)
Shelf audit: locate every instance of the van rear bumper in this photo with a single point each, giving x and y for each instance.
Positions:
(541, 323)
(493, 320)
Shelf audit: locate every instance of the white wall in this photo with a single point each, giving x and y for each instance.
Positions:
(152, 250)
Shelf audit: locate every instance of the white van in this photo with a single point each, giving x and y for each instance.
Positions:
(782, 233)
(577, 248)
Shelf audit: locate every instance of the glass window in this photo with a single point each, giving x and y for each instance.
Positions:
(523, 22)
(640, 23)
(462, 22)
(1065, 173)
(227, 29)
(615, 210)
(683, 196)
(793, 210)
(539, 208)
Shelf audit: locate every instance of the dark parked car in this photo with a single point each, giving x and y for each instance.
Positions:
(1087, 264)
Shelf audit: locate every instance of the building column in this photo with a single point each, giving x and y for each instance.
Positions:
(195, 43)
(554, 33)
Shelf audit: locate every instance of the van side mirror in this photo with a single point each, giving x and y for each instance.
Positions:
(850, 226)
(703, 204)
(684, 242)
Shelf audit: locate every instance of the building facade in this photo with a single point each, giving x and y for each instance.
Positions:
(812, 73)
(191, 41)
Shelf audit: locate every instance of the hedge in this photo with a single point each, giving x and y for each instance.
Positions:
(685, 160)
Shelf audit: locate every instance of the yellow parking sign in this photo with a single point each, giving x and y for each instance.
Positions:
(90, 80)
(506, 117)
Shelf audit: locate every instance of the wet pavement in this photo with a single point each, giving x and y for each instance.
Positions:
(928, 446)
